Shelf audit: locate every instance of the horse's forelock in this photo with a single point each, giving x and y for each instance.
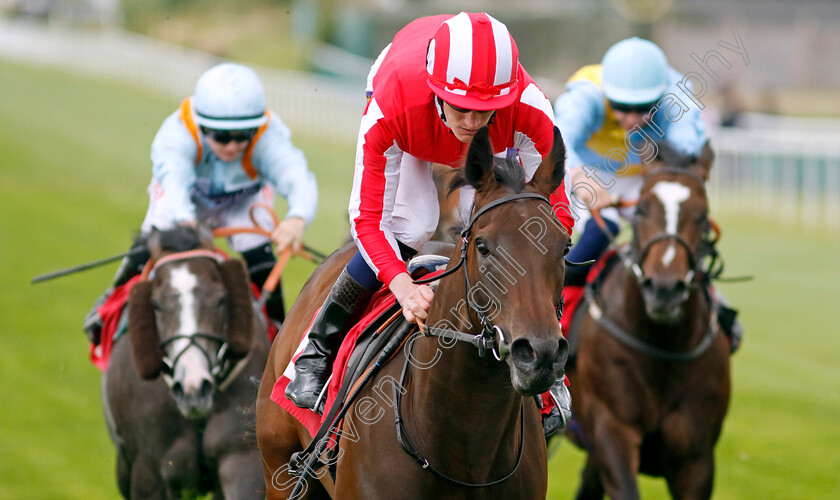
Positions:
(179, 239)
(507, 172)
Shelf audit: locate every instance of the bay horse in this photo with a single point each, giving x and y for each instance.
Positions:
(174, 394)
(650, 383)
(469, 423)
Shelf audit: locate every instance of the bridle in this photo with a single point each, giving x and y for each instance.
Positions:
(223, 369)
(491, 338)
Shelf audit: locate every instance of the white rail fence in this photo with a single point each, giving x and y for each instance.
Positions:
(782, 169)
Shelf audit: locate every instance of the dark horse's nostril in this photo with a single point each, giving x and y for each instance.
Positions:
(522, 352)
(178, 390)
(206, 389)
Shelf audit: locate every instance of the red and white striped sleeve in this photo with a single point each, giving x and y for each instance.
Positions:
(375, 182)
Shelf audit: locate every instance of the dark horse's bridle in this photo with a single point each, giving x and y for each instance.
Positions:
(224, 367)
(492, 338)
(633, 261)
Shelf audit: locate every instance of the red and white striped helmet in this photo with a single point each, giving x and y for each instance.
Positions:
(472, 63)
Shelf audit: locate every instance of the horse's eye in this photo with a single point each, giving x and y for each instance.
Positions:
(222, 301)
(156, 305)
(568, 248)
(482, 247)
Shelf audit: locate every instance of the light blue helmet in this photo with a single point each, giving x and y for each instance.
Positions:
(229, 97)
(634, 71)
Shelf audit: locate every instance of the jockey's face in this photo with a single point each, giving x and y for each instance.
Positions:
(230, 144)
(629, 120)
(464, 123)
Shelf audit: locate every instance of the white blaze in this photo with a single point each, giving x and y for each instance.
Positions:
(191, 368)
(671, 195)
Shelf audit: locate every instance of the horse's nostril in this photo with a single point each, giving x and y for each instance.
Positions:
(522, 352)
(206, 389)
(647, 284)
(178, 389)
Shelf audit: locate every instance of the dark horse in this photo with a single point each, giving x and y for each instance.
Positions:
(174, 394)
(650, 384)
(469, 419)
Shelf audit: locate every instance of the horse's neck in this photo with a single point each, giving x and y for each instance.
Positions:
(462, 400)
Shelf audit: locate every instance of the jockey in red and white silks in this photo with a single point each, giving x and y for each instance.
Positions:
(440, 80)
(403, 132)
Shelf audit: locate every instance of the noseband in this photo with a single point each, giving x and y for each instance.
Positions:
(492, 338)
(223, 368)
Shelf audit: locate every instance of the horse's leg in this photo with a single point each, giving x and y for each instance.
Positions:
(239, 478)
(146, 482)
(616, 451)
(693, 478)
(591, 487)
(123, 474)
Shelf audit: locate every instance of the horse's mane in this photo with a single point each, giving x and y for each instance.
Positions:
(507, 171)
(179, 239)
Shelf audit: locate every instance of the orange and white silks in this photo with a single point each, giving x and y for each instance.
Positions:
(186, 115)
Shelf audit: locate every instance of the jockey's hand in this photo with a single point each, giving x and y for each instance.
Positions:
(415, 299)
(592, 195)
(289, 233)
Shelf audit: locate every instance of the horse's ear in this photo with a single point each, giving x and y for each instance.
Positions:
(241, 310)
(550, 173)
(703, 165)
(478, 169)
(142, 330)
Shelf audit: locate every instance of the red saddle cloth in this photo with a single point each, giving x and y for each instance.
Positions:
(112, 310)
(573, 294)
(381, 302)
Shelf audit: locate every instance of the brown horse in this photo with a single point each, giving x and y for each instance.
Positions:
(174, 394)
(650, 384)
(468, 422)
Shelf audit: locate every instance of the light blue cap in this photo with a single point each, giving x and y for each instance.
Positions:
(634, 71)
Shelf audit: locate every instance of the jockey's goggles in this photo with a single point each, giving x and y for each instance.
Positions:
(642, 109)
(463, 110)
(226, 136)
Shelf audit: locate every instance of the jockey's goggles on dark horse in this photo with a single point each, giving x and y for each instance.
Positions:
(642, 109)
(226, 136)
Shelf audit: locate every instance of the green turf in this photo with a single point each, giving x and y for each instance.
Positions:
(73, 171)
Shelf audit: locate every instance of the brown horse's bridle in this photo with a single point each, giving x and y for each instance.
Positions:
(634, 260)
(223, 369)
(492, 338)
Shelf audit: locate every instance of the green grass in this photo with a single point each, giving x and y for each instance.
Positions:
(73, 174)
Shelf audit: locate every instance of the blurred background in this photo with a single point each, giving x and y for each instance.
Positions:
(85, 84)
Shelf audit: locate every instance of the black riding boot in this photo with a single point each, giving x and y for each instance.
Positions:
(728, 320)
(131, 266)
(328, 329)
(260, 261)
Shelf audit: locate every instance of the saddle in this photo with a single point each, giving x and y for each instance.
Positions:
(363, 343)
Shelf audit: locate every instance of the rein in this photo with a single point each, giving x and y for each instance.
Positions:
(408, 446)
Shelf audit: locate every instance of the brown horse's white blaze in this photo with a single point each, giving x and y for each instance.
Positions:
(665, 289)
(191, 381)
